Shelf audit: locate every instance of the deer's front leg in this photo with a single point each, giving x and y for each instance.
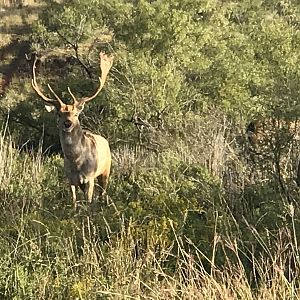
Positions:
(73, 190)
(89, 190)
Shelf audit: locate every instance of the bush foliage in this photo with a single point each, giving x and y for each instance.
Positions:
(191, 211)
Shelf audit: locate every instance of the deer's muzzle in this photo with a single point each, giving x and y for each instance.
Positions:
(68, 125)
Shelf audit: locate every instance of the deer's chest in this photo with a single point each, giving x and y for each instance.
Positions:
(81, 170)
(68, 141)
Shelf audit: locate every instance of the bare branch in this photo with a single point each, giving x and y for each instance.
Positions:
(75, 48)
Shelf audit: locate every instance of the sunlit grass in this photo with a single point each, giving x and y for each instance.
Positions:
(50, 253)
(193, 221)
(13, 20)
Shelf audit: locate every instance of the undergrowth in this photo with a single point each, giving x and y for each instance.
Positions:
(168, 229)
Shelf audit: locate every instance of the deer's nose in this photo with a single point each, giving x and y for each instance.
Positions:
(67, 124)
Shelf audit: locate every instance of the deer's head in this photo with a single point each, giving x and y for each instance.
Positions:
(68, 113)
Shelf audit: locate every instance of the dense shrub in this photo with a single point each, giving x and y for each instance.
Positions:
(192, 211)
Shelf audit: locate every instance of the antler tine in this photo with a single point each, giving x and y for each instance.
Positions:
(39, 92)
(105, 65)
(55, 95)
(72, 95)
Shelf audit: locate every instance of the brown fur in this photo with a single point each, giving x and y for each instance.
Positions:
(259, 131)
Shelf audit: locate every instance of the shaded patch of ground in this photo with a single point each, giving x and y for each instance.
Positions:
(15, 27)
(19, 48)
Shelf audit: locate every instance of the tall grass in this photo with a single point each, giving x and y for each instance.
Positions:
(50, 251)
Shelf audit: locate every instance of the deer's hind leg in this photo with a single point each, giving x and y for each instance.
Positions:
(103, 182)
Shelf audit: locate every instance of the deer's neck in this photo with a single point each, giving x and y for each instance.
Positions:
(72, 142)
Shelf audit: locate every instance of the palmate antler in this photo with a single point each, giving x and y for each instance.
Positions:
(105, 65)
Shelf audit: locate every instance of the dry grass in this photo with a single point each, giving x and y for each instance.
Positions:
(50, 251)
(70, 261)
(14, 22)
(15, 3)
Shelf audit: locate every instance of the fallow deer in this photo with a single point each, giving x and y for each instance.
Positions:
(266, 132)
(264, 135)
(87, 156)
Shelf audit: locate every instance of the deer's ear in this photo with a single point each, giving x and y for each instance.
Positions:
(51, 108)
